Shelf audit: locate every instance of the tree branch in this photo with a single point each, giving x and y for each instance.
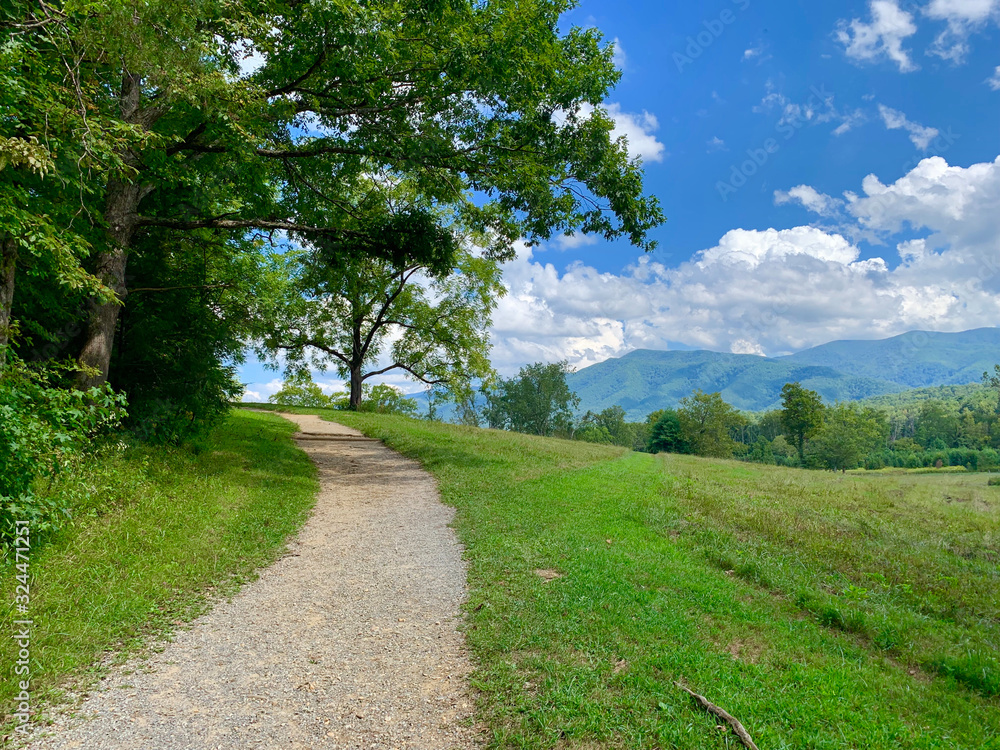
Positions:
(290, 87)
(414, 373)
(220, 223)
(309, 342)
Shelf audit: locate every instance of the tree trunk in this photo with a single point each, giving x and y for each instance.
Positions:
(121, 208)
(356, 388)
(8, 265)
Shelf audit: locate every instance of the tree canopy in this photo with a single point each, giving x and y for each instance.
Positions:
(482, 104)
(707, 422)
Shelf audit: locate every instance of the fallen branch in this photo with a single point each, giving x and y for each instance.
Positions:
(722, 714)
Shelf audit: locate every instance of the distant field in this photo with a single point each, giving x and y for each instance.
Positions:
(823, 611)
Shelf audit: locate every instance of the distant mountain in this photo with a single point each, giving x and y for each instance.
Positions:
(644, 381)
(915, 360)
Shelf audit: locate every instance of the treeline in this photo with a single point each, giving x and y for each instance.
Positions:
(804, 432)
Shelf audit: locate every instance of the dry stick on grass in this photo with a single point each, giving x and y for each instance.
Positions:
(722, 714)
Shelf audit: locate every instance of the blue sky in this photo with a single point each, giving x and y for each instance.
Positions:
(829, 170)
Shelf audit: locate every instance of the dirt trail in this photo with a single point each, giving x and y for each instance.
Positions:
(349, 641)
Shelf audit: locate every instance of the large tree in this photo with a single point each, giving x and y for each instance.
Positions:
(462, 95)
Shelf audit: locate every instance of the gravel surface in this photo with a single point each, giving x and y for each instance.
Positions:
(349, 641)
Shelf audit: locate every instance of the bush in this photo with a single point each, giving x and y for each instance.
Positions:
(994, 482)
(42, 426)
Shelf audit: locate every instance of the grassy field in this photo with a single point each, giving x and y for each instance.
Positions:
(163, 530)
(823, 611)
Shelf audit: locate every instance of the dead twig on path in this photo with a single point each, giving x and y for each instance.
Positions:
(731, 720)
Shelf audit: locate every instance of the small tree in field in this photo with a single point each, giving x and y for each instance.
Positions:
(538, 401)
(666, 435)
(848, 435)
(801, 415)
(707, 422)
(300, 390)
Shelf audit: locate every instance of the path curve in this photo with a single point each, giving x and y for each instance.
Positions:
(350, 641)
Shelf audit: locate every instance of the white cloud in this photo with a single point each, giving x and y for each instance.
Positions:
(258, 393)
(849, 121)
(896, 120)
(994, 81)
(717, 144)
(574, 241)
(778, 290)
(883, 37)
(620, 58)
(754, 53)
(962, 17)
(638, 130)
(809, 198)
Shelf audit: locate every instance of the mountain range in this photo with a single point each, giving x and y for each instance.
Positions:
(644, 381)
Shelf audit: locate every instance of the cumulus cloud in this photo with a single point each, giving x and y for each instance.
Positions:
(716, 144)
(882, 38)
(638, 130)
(809, 198)
(896, 120)
(778, 290)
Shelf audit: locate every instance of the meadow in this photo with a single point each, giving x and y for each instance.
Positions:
(822, 610)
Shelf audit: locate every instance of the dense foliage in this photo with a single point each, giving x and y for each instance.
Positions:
(147, 171)
(537, 401)
(43, 427)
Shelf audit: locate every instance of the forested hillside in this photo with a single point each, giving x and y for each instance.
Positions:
(645, 381)
(914, 360)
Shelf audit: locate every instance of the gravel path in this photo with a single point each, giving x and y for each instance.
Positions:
(349, 641)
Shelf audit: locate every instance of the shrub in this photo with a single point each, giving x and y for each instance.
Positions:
(42, 426)
(994, 482)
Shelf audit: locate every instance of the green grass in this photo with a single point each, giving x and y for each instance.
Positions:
(824, 611)
(163, 531)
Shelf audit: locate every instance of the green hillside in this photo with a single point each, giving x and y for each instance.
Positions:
(915, 360)
(644, 381)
